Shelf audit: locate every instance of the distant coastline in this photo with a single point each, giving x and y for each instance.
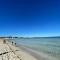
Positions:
(29, 37)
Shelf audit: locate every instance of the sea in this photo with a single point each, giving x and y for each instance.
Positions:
(48, 45)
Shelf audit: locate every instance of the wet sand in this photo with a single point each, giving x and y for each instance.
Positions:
(36, 54)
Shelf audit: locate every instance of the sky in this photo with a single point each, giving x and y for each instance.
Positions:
(30, 18)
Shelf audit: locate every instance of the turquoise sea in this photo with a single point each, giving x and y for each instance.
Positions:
(49, 46)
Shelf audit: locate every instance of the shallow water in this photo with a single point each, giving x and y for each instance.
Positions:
(50, 46)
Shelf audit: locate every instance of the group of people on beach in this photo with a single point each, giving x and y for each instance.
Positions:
(4, 41)
(13, 43)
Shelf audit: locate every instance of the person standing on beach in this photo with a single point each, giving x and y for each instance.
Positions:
(12, 42)
(15, 43)
(4, 41)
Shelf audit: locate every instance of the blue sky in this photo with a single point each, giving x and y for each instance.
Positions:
(30, 18)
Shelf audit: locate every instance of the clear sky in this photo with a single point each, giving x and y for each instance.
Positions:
(30, 18)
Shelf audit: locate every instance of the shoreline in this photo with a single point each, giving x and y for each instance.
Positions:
(27, 53)
(11, 52)
(36, 54)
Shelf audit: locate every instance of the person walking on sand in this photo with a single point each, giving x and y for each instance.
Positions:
(15, 43)
(12, 42)
(4, 41)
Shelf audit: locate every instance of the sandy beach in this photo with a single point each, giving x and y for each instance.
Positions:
(14, 52)
(10, 52)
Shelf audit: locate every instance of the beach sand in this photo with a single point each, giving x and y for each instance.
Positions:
(11, 52)
(14, 52)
